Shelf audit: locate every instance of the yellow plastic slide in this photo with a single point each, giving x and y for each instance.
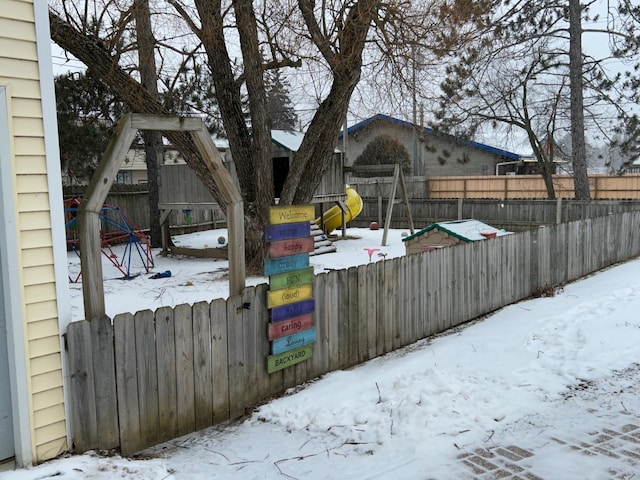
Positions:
(332, 218)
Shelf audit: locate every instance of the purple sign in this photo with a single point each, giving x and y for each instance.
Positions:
(286, 231)
(291, 310)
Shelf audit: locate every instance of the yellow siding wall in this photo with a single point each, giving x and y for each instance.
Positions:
(19, 72)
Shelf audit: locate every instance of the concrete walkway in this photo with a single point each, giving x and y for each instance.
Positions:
(618, 447)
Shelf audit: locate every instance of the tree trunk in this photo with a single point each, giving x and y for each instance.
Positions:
(316, 151)
(153, 147)
(90, 51)
(545, 164)
(578, 153)
(546, 169)
(251, 150)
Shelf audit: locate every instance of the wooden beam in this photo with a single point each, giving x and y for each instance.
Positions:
(141, 121)
(235, 231)
(234, 207)
(96, 194)
(405, 198)
(220, 174)
(390, 169)
(89, 218)
(392, 196)
(109, 165)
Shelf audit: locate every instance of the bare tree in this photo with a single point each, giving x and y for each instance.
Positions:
(232, 37)
(523, 89)
(555, 29)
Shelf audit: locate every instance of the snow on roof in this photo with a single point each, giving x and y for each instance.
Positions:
(289, 140)
(467, 230)
(222, 143)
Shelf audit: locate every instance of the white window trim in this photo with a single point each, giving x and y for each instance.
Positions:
(56, 201)
(12, 294)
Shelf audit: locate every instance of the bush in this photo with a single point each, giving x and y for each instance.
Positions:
(384, 150)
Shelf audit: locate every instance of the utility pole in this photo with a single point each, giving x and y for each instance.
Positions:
(414, 119)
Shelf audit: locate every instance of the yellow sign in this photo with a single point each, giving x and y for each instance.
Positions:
(291, 214)
(289, 295)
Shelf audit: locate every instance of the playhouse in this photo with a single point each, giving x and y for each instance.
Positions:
(446, 234)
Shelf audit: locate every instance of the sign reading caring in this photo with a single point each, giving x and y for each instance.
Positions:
(290, 296)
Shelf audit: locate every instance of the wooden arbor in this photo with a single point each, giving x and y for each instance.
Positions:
(88, 212)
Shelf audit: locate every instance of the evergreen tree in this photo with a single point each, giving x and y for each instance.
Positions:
(87, 112)
(191, 93)
(384, 150)
(279, 105)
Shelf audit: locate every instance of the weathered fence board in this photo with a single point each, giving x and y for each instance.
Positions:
(185, 407)
(83, 409)
(127, 379)
(203, 366)
(167, 381)
(105, 383)
(147, 374)
(261, 317)
(331, 301)
(343, 318)
(219, 360)
(353, 319)
(152, 376)
(363, 310)
(235, 352)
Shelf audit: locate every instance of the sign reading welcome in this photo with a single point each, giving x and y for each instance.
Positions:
(290, 296)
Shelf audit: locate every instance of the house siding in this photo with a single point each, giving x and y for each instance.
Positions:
(19, 71)
(438, 156)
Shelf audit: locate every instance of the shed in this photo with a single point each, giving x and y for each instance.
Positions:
(285, 144)
(34, 291)
(446, 234)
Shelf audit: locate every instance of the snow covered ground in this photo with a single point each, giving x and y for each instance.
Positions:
(547, 388)
(197, 279)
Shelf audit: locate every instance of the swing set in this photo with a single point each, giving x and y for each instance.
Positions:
(116, 229)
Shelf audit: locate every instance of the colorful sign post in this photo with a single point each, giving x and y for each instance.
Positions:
(290, 296)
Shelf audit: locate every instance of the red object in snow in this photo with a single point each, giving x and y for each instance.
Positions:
(371, 251)
(374, 226)
(489, 234)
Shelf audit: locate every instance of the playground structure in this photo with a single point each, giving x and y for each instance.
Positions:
(333, 218)
(398, 178)
(116, 229)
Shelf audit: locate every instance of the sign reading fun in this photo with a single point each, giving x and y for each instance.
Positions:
(290, 296)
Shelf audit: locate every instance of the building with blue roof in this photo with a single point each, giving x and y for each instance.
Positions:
(436, 153)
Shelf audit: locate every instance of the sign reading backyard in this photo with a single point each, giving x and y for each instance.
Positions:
(290, 296)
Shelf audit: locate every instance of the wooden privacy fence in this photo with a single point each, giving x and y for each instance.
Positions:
(152, 376)
(513, 215)
(532, 186)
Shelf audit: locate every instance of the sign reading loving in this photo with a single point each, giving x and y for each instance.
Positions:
(290, 296)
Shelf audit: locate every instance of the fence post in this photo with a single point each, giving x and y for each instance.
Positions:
(559, 211)
(460, 202)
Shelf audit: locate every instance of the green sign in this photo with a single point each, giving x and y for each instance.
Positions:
(286, 359)
(291, 279)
